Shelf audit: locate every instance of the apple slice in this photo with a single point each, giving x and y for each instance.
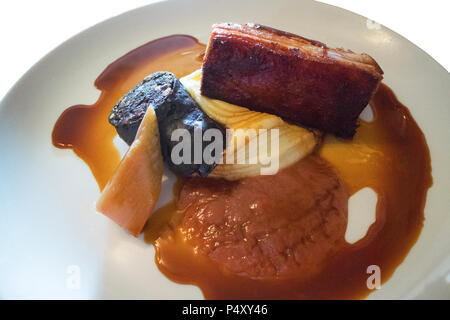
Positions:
(131, 194)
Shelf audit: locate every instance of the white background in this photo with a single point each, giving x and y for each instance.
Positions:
(30, 29)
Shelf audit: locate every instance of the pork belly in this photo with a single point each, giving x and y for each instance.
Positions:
(300, 80)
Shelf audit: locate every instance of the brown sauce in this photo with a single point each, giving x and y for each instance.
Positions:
(85, 128)
(209, 236)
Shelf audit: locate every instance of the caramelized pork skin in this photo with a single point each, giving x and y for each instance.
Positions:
(300, 80)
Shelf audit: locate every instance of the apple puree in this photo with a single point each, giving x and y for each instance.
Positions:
(284, 225)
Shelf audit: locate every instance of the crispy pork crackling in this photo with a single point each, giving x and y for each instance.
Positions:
(300, 80)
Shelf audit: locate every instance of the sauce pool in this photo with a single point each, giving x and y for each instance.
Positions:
(389, 155)
(85, 128)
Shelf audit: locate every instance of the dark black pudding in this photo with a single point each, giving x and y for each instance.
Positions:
(157, 89)
(174, 108)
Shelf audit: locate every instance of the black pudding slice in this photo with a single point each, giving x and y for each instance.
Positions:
(174, 108)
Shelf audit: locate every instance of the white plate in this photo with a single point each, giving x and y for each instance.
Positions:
(49, 239)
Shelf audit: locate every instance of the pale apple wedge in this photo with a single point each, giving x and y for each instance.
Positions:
(131, 194)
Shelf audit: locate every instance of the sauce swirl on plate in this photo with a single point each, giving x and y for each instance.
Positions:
(280, 236)
(85, 128)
